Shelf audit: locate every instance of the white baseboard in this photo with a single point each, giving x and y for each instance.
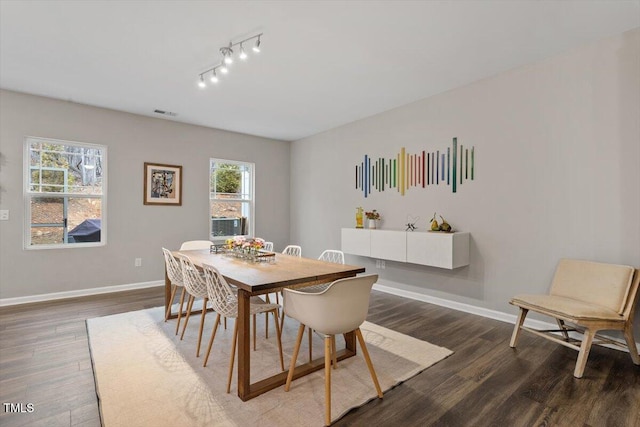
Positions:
(479, 311)
(79, 293)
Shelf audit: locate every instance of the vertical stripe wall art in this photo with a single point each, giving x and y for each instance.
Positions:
(422, 169)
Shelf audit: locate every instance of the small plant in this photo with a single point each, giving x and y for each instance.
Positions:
(374, 214)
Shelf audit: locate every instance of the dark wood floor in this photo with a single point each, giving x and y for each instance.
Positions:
(44, 360)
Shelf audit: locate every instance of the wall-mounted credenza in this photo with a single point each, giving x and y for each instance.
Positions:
(436, 249)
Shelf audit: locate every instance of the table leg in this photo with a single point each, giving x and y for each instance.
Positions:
(244, 350)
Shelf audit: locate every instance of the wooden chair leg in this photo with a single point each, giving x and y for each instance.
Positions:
(204, 313)
(327, 380)
(310, 332)
(225, 323)
(213, 336)
(180, 310)
(584, 353)
(518, 325)
(171, 298)
(254, 332)
(282, 321)
(266, 318)
(565, 334)
(186, 318)
(631, 342)
(233, 355)
(278, 337)
(333, 352)
(296, 349)
(365, 353)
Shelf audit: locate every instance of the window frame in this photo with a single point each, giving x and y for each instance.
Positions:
(249, 201)
(29, 195)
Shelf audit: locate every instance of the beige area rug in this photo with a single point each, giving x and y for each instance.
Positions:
(146, 376)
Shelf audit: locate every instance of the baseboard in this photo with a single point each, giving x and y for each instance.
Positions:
(4, 302)
(479, 311)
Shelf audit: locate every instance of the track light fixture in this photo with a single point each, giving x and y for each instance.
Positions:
(227, 59)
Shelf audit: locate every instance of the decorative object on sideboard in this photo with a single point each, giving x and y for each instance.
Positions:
(443, 227)
(423, 169)
(411, 223)
(372, 218)
(359, 217)
(434, 223)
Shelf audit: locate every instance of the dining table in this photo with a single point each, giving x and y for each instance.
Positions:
(260, 278)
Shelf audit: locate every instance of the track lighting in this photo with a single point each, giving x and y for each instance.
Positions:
(227, 59)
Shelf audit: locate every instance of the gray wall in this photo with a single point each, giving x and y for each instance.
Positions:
(134, 230)
(557, 150)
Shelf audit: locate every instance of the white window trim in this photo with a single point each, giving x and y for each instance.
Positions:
(26, 228)
(251, 202)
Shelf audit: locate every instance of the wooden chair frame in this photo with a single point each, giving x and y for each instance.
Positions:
(588, 329)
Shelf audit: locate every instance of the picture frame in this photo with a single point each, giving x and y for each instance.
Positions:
(162, 184)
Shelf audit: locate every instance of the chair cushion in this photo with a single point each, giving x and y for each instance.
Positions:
(593, 282)
(566, 307)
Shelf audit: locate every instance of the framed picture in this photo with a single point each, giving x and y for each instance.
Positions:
(162, 184)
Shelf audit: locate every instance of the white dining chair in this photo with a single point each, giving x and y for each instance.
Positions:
(192, 245)
(342, 307)
(293, 250)
(268, 246)
(196, 287)
(225, 302)
(174, 273)
(330, 255)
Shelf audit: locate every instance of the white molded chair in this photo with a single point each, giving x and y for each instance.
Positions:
(174, 273)
(592, 296)
(225, 303)
(195, 244)
(268, 246)
(293, 250)
(342, 307)
(196, 287)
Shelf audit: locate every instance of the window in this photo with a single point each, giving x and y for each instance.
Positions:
(65, 194)
(231, 200)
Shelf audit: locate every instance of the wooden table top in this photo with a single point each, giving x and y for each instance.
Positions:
(263, 277)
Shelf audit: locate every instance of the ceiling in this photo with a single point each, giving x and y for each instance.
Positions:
(323, 63)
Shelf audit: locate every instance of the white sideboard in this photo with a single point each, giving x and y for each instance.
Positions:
(444, 250)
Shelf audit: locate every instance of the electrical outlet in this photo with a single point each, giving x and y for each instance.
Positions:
(138, 262)
(4, 215)
(382, 264)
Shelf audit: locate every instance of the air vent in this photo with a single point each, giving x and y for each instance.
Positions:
(165, 113)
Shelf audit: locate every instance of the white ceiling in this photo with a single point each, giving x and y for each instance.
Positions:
(323, 63)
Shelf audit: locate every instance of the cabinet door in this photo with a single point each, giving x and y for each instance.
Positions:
(433, 249)
(388, 244)
(356, 241)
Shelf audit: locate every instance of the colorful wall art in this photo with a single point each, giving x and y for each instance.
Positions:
(451, 167)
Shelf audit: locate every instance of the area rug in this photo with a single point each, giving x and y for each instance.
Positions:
(146, 376)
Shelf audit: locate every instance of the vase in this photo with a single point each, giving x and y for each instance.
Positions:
(372, 224)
